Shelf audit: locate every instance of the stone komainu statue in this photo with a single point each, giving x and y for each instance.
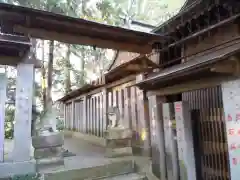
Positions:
(113, 115)
(118, 138)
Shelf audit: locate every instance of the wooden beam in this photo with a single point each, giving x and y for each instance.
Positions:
(13, 61)
(84, 40)
(189, 86)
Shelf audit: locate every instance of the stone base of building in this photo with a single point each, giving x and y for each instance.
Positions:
(111, 153)
(141, 151)
(10, 169)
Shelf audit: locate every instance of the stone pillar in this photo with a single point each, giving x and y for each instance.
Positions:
(157, 136)
(185, 141)
(143, 121)
(170, 141)
(23, 113)
(231, 104)
(3, 95)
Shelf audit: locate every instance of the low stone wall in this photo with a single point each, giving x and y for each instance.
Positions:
(86, 137)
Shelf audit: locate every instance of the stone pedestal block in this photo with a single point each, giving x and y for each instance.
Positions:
(48, 149)
(118, 142)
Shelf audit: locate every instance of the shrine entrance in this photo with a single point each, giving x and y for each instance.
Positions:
(194, 130)
(211, 147)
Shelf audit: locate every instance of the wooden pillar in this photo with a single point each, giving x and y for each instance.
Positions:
(71, 115)
(88, 115)
(23, 112)
(105, 107)
(75, 120)
(84, 119)
(80, 115)
(144, 125)
(134, 112)
(120, 106)
(65, 115)
(3, 95)
(157, 136)
(101, 114)
(94, 116)
(78, 111)
(114, 98)
(68, 116)
(110, 96)
(97, 115)
(127, 113)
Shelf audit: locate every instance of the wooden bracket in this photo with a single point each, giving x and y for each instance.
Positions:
(230, 66)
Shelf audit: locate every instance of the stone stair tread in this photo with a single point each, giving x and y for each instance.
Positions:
(131, 176)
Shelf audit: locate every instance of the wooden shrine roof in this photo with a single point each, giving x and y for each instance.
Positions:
(139, 64)
(121, 58)
(51, 26)
(197, 64)
(85, 88)
(187, 12)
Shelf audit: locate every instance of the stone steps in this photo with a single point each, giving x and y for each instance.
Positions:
(131, 176)
(97, 172)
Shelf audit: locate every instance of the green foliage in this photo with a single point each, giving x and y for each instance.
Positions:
(9, 118)
(60, 125)
(26, 177)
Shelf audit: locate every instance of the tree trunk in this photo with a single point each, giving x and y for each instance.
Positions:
(43, 72)
(82, 69)
(50, 73)
(67, 70)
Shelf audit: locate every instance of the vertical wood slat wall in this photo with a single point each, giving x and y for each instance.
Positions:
(125, 99)
(95, 124)
(68, 115)
(211, 130)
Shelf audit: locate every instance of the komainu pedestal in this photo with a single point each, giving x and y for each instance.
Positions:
(118, 138)
(48, 142)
